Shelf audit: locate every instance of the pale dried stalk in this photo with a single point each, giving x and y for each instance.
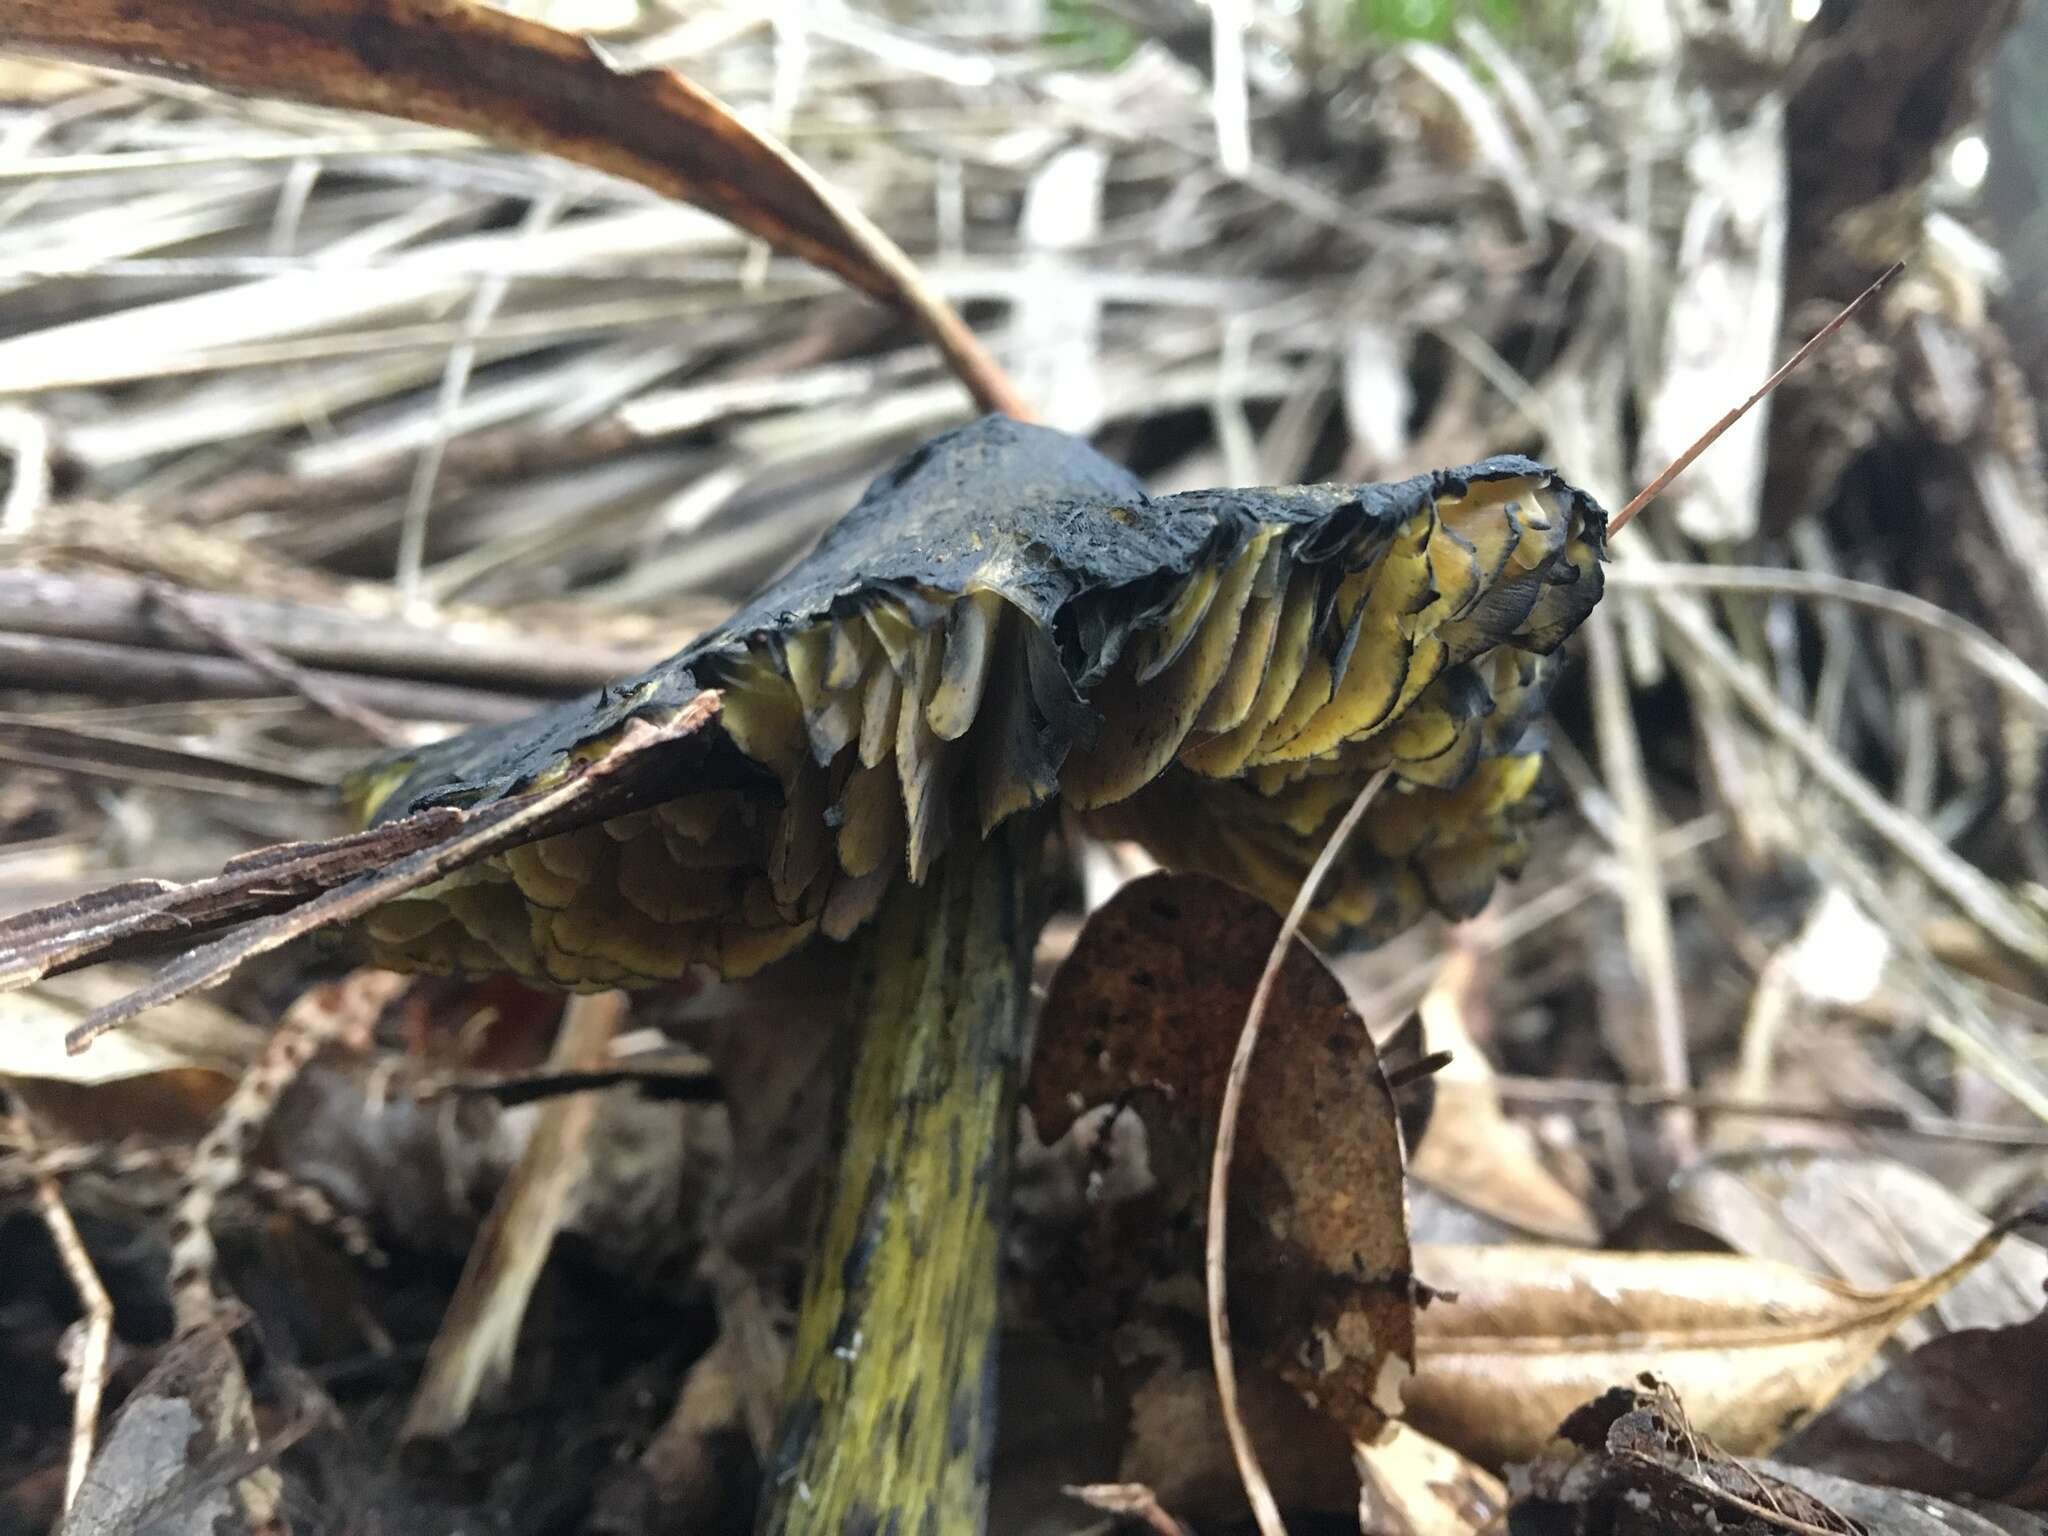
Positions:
(1257, 1490)
(1976, 646)
(87, 1367)
(1978, 896)
(473, 1351)
(419, 498)
(1646, 906)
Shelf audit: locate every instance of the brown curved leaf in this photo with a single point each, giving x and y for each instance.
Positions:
(1145, 1015)
(517, 82)
(1526, 1334)
(1474, 1152)
(1855, 1217)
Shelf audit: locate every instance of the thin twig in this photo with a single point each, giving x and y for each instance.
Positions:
(1884, 1118)
(293, 679)
(1978, 896)
(352, 633)
(1713, 434)
(87, 1367)
(1129, 1502)
(1256, 1488)
(53, 664)
(419, 498)
(1976, 646)
(1646, 906)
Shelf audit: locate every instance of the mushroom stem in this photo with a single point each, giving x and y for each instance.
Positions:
(889, 1406)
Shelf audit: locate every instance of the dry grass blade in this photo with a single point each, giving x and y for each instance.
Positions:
(1713, 434)
(1256, 1488)
(517, 82)
(1985, 653)
(1646, 905)
(108, 923)
(1973, 892)
(488, 831)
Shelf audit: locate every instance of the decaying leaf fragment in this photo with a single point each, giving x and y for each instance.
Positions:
(1006, 616)
(1143, 1018)
(1753, 1348)
(1631, 1462)
(1411, 1485)
(1964, 1414)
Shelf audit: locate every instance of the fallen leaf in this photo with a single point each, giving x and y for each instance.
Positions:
(1888, 1512)
(167, 1077)
(519, 82)
(1525, 1333)
(1965, 1414)
(1632, 1461)
(1866, 1221)
(1144, 1017)
(190, 1033)
(1411, 1485)
(1473, 1152)
(181, 1458)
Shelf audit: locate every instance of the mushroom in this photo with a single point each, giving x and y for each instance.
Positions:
(868, 752)
(1007, 619)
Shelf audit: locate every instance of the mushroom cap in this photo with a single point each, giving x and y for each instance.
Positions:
(1005, 617)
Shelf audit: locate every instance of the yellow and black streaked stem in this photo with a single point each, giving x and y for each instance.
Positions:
(888, 1415)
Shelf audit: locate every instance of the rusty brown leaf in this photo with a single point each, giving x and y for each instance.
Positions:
(1754, 1348)
(518, 82)
(1144, 1017)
